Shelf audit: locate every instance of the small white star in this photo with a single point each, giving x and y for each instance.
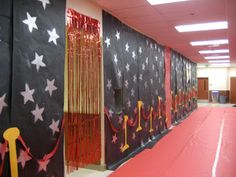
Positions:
(31, 22)
(2, 102)
(155, 46)
(128, 104)
(50, 86)
(117, 35)
(54, 126)
(147, 60)
(37, 113)
(156, 58)
(127, 47)
(53, 36)
(38, 61)
(151, 80)
(141, 77)
(132, 92)
(151, 46)
(143, 66)
(126, 83)
(153, 67)
(119, 73)
(110, 113)
(127, 67)
(44, 3)
(145, 84)
(115, 58)
(108, 42)
(109, 85)
(133, 55)
(140, 50)
(134, 78)
(27, 94)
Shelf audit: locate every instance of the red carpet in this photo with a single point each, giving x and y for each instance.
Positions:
(191, 148)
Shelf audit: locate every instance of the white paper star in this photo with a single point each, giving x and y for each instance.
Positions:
(119, 73)
(38, 61)
(127, 67)
(54, 126)
(132, 92)
(31, 22)
(108, 42)
(117, 35)
(109, 85)
(37, 113)
(151, 80)
(2, 102)
(128, 104)
(133, 55)
(115, 58)
(127, 47)
(50, 86)
(140, 50)
(53, 36)
(44, 3)
(141, 77)
(114, 138)
(126, 83)
(153, 67)
(110, 113)
(27, 94)
(134, 78)
(145, 84)
(147, 60)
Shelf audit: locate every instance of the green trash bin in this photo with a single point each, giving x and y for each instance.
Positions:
(222, 99)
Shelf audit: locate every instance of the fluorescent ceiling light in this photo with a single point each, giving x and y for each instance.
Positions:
(156, 2)
(216, 57)
(220, 65)
(219, 61)
(202, 26)
(214, 51)
(211, 42)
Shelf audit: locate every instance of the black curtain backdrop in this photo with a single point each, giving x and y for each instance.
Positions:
(133, 71)
(34, 71)
(183, 85)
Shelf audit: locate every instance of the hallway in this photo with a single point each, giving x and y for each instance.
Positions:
(203, 145)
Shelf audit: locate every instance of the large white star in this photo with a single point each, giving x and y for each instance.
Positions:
(108, 42)
(117, 35)
(109, 85)
(115, 58)
(53, 36)
(54, 126)
(127, 67)
(38, 61)
(127, 47)
(37, 113)
(134, 78)
(50, 86)
(119, 73)
(2, 102)
(44, 3)
(31, 22)
(133, 55)
(27, 94)
(140, 50)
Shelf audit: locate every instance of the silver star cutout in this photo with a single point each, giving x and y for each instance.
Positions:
(27, 94)
(115, 58)
(119, 73)
(2, 102)
(127, 67)
(140, 50)
(38, 61)
(127, 47)
(132, 92)
(141, 77)
(117, 35)
(134, 78)
(108, 42)
(156, 58)
(37, 113)
(53, 36)
(50, 86)
(109, 85)
(44, 3)
(31, 22)
(54, 126)
(133, 55)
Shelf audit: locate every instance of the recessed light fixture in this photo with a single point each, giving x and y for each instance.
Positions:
(210, 42)
(156, 2)
(216, 57)
(220, 65)
(202, 26)
(219, 61)
(214, 51)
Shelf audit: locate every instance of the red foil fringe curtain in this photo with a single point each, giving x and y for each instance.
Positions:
(82, 125)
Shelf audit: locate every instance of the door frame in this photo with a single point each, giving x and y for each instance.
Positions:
(230, 98)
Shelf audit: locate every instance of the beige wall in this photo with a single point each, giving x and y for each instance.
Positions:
(88, 8)
(219, 78)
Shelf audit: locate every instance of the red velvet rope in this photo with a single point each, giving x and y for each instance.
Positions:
(2, 164)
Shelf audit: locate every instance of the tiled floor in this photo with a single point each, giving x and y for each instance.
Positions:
(94, 173)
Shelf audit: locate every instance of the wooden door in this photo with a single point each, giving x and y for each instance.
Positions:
(233, 90)
(203, 88)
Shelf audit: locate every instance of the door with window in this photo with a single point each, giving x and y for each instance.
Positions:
(203, 88)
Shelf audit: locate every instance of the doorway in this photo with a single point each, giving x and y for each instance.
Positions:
(232, 90)
(203, 88)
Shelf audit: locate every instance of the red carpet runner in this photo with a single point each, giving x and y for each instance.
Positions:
(204, 145)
